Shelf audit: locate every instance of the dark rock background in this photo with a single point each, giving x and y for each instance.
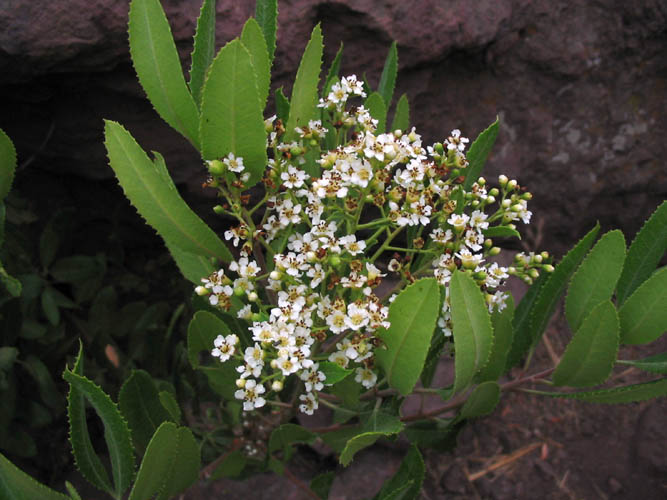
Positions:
(580, 87)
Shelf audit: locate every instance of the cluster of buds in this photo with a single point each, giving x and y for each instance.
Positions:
(317, 298)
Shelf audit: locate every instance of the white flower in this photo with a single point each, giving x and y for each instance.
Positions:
(458, 221)
(224, 347)
(309, 404)
(339, 358)
(245, 312)
(233, 163)
(254, 356)
(357, 317)
(455, 141)
(293, 178)
(351, 244)
(313, 379)
(365, 377)
(251, 395)
(478, 220)
(474, 240)
(288, 365)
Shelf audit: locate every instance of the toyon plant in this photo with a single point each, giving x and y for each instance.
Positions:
(357, 256)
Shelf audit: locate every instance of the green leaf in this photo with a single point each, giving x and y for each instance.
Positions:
(590, 355)
(116, 433)
(501, 232)
(11, 284)
(7, 164)
(616, 395)
(549, 295)
(231, 466)
(655, 364)
(482, 400)
(170, 404)
(72, 491)
(644, 254)
(412, 316)
(401, 119)
(284, 436)
(382, 425)
(596, 278)
(432, 359)
(222, 379)
(332, 74)
(282, 105)
(348, 390)
(253, 40)
(378, 110)
(502, 342)
(156, 199)
(303, 105)
(17, 485)
(644, 315)
(76, 269)
(8, 356)
(45, 383)
(170, 465)
(159, 69)
(203, 50)
(412, 470)
(333, 372)
(321, 484)
(49, 307)
(192, 266)
(202, 331)
(231, 111)
(266, 13)
(388, 77)
(479, 152)
(140, 405)
(473, 334)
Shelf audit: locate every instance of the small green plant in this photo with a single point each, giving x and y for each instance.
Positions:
(358, 257)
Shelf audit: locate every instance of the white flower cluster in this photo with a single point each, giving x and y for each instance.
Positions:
(316, 301)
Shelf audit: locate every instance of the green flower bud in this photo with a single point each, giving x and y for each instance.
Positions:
(218, 209)
(216, 167)
(494, 251)
(239, 292)
(548, 268)
(494, 192)
(438, 148)
(502, 180)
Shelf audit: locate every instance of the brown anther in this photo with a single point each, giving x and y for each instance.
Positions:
(356, 266)
(321, 253)
(460, 179)
(245, 199)
(333, 281)
(409, 277)
(418, 243)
